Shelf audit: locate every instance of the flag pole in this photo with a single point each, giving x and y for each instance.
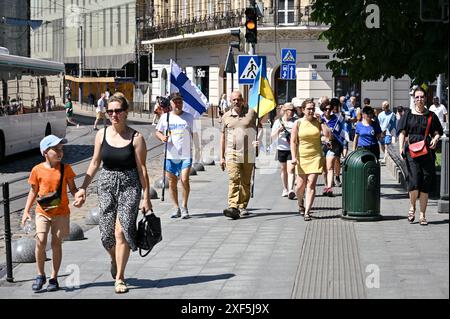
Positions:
(165, 148)
(257, 147)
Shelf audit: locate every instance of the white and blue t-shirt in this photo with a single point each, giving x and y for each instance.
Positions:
(180, 134)
(387, 122)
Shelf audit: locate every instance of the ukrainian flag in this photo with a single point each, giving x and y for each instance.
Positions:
(261, 96)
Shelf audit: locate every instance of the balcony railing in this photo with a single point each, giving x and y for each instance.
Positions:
(230, 19)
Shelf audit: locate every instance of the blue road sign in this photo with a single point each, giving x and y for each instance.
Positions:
(288, 56)
(287, 72)
(248, 66)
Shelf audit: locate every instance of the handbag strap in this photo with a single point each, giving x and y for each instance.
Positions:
(428, 126)
(59, 190)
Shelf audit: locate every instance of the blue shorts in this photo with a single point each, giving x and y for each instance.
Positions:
(386, 140)
(175, 166)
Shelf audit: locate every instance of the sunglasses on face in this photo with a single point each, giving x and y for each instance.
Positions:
(57, 149)
(328, 109)
(117, 111)
(419, 97)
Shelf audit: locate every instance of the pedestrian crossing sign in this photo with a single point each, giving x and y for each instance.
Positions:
(248, 66)
(288, 56)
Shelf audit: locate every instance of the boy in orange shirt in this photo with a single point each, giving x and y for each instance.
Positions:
(45, 179)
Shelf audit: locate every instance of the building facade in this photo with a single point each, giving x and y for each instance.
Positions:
(97, 37)
(196, 34)
(14, 35)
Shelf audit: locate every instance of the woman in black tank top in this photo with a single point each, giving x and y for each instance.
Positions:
(121, 180)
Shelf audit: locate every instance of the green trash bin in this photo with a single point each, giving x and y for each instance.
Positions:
(361, 186)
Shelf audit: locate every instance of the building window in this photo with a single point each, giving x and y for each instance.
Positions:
(119, 29)
(164, 83)
(111, 25)
(197, 10)
(343, 86)
(104, 27)
(201, 77)
(42, 39)
(46, 37)
(286, 11)
(127, 21)
(210, 7)
(285, 90)
(184, 8)
(90, 30)
(84, 31)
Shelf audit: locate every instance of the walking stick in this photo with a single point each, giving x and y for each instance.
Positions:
(165, 157)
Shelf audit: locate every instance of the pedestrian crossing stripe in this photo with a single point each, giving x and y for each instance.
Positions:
(250, 70)
(289, 57)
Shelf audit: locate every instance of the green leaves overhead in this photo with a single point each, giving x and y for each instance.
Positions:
(402, 45)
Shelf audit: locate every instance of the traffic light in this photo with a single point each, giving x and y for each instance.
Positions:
(251, 25)
(236, 44)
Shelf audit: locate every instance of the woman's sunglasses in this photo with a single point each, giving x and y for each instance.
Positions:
(117, 111)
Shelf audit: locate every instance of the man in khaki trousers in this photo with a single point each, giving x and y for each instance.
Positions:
(237, 153)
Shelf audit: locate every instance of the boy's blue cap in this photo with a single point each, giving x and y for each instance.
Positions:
(50, 141)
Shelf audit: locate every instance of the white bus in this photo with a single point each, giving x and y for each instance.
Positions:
(31, 102)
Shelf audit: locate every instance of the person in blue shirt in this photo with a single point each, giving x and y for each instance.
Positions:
(367, 132)
(388, 123)
(349, 112)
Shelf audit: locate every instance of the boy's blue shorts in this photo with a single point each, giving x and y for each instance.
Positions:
(387, 140)
(175, 166)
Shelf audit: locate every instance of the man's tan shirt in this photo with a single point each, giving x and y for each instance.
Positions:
(240, 132)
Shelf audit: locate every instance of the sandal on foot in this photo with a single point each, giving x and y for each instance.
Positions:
(411, 216)
(39, 282)
(113, 269)
(307, 217)
(120, 287)
(423, 221)
(301, 210)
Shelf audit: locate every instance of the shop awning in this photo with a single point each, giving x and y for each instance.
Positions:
(109, 79)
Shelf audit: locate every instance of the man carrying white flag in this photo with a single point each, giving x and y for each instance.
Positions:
(195, 102)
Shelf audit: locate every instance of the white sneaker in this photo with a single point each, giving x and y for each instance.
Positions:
(176, 213)
(184, 213)
(285, 193)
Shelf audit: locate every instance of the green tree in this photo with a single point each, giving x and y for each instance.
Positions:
(402, 45)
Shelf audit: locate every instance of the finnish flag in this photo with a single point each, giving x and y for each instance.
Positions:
(194, 101)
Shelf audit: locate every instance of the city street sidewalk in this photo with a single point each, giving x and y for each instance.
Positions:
(271, 254)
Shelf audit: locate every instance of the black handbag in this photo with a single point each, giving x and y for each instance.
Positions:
(148, 233)
(52, 200)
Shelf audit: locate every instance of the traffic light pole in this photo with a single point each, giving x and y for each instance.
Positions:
(251, 50)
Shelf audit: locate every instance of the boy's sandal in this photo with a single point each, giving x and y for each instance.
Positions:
(39, 282)
(307, 217)
(423, 221)
(120, 287)
(411, 216)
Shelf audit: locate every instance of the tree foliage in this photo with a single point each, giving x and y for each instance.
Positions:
(402, 45)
